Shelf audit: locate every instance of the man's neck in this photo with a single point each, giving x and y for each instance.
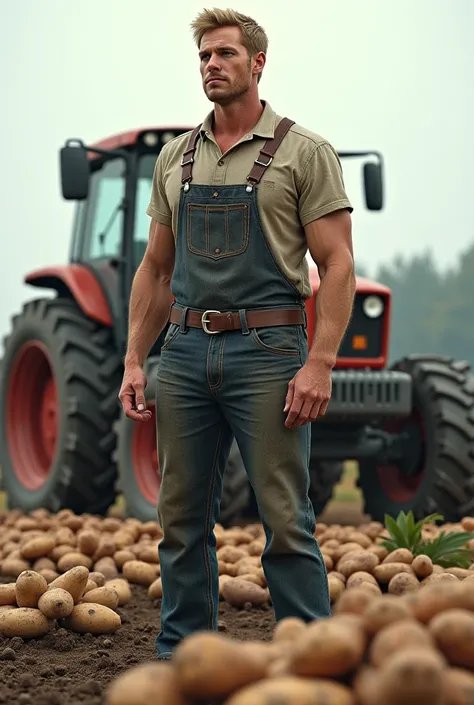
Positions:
(238, 118)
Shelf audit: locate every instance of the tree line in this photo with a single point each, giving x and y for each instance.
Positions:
(432, 311)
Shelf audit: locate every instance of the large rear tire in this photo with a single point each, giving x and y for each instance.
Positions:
(59, 380)
(137, 464)
(324, 476)
(437, 472)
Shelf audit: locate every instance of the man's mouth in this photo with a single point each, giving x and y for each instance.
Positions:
(214, 79)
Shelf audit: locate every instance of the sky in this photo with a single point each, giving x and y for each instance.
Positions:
(395, 76)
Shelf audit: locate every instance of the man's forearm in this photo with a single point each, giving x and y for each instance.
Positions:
(150, 302)
(334, 302)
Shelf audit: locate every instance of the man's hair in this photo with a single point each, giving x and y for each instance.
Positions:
(254, 37)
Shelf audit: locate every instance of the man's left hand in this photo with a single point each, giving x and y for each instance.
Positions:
(308, 395)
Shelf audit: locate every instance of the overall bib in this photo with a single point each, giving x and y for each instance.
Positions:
(225, 375)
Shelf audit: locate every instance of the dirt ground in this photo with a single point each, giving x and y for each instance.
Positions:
(65, 668)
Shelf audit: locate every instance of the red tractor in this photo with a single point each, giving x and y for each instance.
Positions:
(65, 443)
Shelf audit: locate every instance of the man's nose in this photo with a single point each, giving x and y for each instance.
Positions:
(213, 64)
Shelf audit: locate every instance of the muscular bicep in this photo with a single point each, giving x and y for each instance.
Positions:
(160, 251)
(329, 240)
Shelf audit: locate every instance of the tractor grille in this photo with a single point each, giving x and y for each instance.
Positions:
(371, 393)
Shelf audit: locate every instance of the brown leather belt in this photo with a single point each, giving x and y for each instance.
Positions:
(217, 322)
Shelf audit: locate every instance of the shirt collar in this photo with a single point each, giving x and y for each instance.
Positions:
(265, 127)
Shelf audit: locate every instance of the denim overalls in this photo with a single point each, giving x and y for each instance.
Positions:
(214, 386)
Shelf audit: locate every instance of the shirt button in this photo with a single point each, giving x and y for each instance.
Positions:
(217, 250)
(221, 162)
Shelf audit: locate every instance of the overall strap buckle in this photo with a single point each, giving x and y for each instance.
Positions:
(267, 152)
(187, 159)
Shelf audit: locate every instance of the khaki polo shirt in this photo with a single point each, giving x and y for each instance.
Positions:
(304, 182)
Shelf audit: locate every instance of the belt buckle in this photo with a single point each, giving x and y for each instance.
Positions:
(205, 321)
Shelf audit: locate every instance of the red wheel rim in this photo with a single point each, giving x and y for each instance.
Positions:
(32, 415)
(145, 457)
(396, 485)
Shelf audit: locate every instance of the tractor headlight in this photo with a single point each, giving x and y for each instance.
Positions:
(373, 306)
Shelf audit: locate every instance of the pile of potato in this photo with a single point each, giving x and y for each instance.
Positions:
(77, 600)
(415, 649)
(52, 544)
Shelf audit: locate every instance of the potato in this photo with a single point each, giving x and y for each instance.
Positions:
(29, 587)
(360, 538)
(149, 554)
(139, 572)
(458, 686)
(327, 648)
(380, 551)
(123, 538)
(293, 690)
(368, 587)
(328, 561)
(44, 564)
(360, 576)
(98, 578)
(222, 580)
(354, 601)
(251, 578)
(154, 682)
(73, 559)
(38, 547)
(363, 561)
(122, 556)
(87, 542)
(453, 631)
(111, 524)
(396, 636)
(7, 608)
(65, 536)
(383, 611)
(91, 585)
(289, 629)
(74, 581)
(73, 522)
(122, 588)
(200, 657)
(435, 598)
(439, 577)
(365, 685)
(385, 571)
(412, 676)
(402, 583)
(107, 567)
(56, 603)
(231, 554)
(106, 548)
(92, 618)
(25, 622)
(422, 566)
(8, 594)
(238, 592)
(336, 588)
(400, 555)
(339, 576)
(106, 596)
(460, 573)
(48, 575)
(12, 567)
(155, 590)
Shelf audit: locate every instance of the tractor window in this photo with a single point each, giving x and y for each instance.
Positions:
(103, 226)
(142, 220)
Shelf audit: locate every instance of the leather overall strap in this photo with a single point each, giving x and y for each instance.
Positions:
(261, 163)
(226, 321)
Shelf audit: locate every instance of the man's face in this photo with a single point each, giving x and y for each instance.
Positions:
(226, 69)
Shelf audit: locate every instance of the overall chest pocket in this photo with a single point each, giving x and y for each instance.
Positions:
(218, 231)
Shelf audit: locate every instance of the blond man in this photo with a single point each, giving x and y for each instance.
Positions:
(235, 206)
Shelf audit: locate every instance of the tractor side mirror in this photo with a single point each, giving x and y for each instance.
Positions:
(373, 186)
(74, 166)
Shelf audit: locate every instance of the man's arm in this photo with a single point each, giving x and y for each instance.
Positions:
(330, 244)
(150, 302)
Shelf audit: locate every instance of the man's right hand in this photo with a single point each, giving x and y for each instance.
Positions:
(132, 393)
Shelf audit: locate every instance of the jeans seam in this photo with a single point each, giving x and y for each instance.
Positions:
(215, 386)
(275, 351)
(207, 557)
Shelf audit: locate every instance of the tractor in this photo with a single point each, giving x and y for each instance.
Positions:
(64, 442)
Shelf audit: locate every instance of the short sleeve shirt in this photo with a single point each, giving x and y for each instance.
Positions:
(304, 182)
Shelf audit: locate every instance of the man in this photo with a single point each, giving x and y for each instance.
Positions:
(235, 205)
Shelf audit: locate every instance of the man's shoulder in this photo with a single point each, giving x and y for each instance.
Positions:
(305, 137)
(174, 149)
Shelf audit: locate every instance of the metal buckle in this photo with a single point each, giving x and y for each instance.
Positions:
(189, 161)
(205, 321)
(270, 159)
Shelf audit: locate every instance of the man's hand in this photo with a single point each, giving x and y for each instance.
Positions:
(132, 393)
(308, 395)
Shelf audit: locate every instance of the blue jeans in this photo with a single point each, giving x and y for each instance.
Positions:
(209, 389)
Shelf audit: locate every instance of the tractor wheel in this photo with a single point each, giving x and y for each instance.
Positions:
(437, 471)
(136, 459)
(324, 476)
(59, 379)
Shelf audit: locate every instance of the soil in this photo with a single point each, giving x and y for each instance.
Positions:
(66, 668)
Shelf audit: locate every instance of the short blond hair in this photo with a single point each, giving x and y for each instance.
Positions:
(254, 37)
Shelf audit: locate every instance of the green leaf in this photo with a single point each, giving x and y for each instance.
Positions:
(402, 525)
(413, 531)
(395, 532)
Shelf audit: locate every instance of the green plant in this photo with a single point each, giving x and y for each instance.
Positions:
(447, 550)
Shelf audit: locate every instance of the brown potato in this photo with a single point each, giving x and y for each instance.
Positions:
(458, 686)
(453, 631)
(328, 648)
(222, 580)
(25, 622)
(360, 538)
(122, 588)
(98, 578)
(149, 554)
(91, 585)
(87, 542)
(56, 603)
(422, 566)
(365, 685)
(396, 636)
(12, 567)
(139, 572)
(8, 594)
(354, 601)
(336, 588)
(92, 618)
(74, 581)
(435, 598)
(359, 577)
(385, 571)
(48, 575)
(7, 608)
(440, 577)
(238, 592)
(199, 657)
(73, 559)
(400, 555)
(289, 629)
(231, 554)
(29, 587)
(252, 578)
(412, 676)
(364, 561)
(107, 567)
(293, 690)
(380, 551)
(106, 596)
(154, 682)
(155, 591)
(105, 549)
(460, 573)
(402, 583)
(383, 611)
(44, 564)
(38, 547)
(122, 556)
